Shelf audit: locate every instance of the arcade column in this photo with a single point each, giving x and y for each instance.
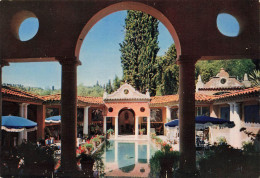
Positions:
(104, 124)
(68, 115)
(136, 126)
(148, 127)
(234, 132)
(116, 127)
(187, 115)
(85, 124)
(41, 110)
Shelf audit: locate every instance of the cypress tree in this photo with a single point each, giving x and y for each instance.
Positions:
(139, 50)
(167, 76)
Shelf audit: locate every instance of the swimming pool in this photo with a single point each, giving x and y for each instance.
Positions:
(128, 159)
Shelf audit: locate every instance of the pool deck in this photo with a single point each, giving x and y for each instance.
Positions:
(129, 137)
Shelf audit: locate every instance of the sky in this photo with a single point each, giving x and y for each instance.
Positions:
(99, 54)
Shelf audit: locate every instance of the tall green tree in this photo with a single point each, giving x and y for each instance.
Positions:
(237, 68)
(167, 76)
(116, 83)
(109, 88)
(139, 50)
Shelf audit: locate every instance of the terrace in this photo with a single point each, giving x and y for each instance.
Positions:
(60, 39)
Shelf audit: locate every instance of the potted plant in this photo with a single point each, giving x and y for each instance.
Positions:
(95, 141)
(109, 132)
(88, 147)
(142, 131)
(87, 162)
(91, 161)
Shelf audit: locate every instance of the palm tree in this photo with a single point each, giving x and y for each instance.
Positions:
(254, 78)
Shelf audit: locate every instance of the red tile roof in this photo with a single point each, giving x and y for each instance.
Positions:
(175, 98)
(16, 94)
(91, 100)
(254, 90)
(203, 97)
(52, 98)
(83, 99)
(164, 99)
(221, 88)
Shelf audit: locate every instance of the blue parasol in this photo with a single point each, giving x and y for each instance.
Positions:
(17, 124)
(203, 122)
(53, 119)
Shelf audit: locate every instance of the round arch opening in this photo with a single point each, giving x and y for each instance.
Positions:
(128, 6)
(24, 25)
(126, 121)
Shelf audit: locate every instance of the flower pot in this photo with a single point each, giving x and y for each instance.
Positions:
(87, 166)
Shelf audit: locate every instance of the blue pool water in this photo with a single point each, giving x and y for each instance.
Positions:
(128, 158)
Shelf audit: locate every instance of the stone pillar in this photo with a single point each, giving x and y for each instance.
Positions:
(21, 114)
(116, 127)
(68, 116)
(136, 126)
(235, 134)
(187, 115)
(25, 107)
(85, 124)
(21, 110)
(104, 124)
(41, 111)
(148, 127)
(231, 106)
(213, 110)
(168, 114)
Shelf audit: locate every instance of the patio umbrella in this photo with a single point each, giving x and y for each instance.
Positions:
(17, 124)
(202, 122)
(53, 119)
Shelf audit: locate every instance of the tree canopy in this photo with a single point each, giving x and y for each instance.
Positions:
(237, 68)
(167, 73)
(139, 50)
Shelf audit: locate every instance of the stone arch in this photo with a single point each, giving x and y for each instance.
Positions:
(128, 5)
(126, 121)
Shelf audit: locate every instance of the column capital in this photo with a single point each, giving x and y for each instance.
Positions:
(68, 60)
(236, 104)
(231, 103)
(187, 59)
(24, 104)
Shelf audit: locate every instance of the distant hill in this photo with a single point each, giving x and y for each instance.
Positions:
(95, 90)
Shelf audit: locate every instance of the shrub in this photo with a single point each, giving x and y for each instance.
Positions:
(37, 160)
(221, 161)
(164, 162)
(248, 147)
